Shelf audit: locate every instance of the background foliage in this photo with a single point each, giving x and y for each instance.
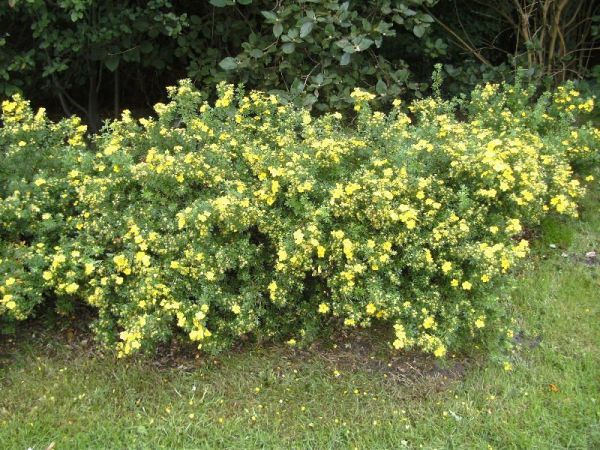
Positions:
(95, 57)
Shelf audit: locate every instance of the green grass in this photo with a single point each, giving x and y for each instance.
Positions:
(56, 389)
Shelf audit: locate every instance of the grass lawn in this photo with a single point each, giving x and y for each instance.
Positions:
(54, 388)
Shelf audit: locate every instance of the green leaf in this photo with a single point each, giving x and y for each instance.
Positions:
(345, 59)
(381, 87)
(288, 48)
(220, 3)
(228, 63)
(364, 44)
(277, 29)
(306, 29)
(111, 63)
(76, 15)
(297, 86)
(419, 30)
(309, 100)
(397, 18)
(256, 53)
(244, 2)
(269, 15)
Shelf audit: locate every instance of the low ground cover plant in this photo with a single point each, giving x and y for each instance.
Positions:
(247, 217)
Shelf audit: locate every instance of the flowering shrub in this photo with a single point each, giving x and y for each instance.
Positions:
(36, 200)
(252, 217)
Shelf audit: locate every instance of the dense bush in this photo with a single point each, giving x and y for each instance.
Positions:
(249, 217)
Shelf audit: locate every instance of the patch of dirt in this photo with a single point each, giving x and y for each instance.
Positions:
(523, 340)
(367, 350)
(347, 352)
(590, 259)
(48, 337)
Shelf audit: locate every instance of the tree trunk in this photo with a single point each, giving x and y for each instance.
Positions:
(93, 114)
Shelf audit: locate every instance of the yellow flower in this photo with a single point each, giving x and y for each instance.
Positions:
(401, 339)
(71, 288)
(9, 302)
(429, 322)
(514, 226)
(467, 285)
(360, 95)
(507, 366)
(371, 308)
(323, 308)
(10, 281)
(349, 322)
(320, 251)
(485, 278)
(298, 237)
(181, 222)
(446, 267)
(480, 322)
(348, 248)
(282, 255)
(236, 309)
(274, 186)
(398, 344)
(428, 256)
(273, 290)
(47, 275)
(440, 351)
(338, 234)
(454, 282)
(121, 262)
(143, 258)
